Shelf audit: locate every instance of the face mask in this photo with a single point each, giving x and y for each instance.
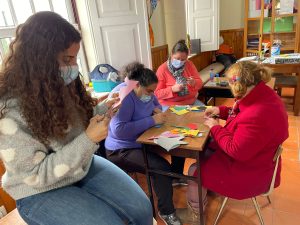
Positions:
(146, 98)
(69, 73)
(177, 63)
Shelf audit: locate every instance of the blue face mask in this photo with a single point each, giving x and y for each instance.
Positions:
(177, 63)
(146, 98)
(69, 73)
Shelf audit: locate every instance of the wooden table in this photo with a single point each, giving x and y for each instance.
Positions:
(192, 150)
(211, 89)
(289, 69)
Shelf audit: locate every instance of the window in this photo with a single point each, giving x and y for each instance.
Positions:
(15, 12)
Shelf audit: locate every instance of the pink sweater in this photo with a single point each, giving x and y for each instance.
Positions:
(166, 80)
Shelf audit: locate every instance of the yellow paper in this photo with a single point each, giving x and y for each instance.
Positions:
(208, 106)
(181, 112)
(194, 108)
(193, 133)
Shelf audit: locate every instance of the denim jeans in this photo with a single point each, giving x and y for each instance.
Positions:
(106, 196)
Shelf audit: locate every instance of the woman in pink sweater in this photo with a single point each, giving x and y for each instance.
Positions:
(178, 79)
(239, 158)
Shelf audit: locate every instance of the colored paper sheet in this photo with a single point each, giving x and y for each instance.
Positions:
(125, 90)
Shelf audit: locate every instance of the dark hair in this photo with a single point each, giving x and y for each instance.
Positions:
(31, 75)
(137, 71)
(180, 46)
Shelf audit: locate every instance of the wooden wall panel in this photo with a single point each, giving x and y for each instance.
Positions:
(202, 60)
(160, 55)
(235, 39)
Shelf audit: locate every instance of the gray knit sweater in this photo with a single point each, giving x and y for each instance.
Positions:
(31, 167)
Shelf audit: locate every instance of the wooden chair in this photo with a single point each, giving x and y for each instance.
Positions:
(267, 194)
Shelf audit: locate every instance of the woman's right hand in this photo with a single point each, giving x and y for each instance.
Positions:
(159, 118)
(177, 88)
(212, 110)
(98, 128)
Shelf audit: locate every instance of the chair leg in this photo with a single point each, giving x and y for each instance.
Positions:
(220, 210)
(258, 211)
(269, 200)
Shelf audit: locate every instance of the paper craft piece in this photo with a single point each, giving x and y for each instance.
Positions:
(193, 126)
(167, 134)
(192, 133)
(125, 90)
(178, 108)
(170, 143)
(181, 112)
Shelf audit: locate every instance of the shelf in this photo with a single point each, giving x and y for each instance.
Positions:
(252, 50)
(287, 49)
(284, 32)
(286, 15)
(253, 18)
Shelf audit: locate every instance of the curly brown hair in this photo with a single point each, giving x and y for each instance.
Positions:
(31, 75)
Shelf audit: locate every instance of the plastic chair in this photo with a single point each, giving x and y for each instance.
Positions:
(276, 160)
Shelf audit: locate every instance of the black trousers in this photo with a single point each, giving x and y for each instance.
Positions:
(132, 160)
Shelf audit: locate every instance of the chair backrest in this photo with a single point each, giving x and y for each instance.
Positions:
(276, 160)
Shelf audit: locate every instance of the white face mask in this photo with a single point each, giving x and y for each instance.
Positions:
(69, 73)
(146, 98)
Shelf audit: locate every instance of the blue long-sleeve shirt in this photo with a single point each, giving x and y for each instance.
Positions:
(133, 118)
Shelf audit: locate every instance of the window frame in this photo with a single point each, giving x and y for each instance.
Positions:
(9, 31)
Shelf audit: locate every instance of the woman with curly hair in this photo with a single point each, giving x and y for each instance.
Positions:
(48, 135)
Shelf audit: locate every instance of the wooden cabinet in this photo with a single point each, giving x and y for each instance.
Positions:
(271, 21)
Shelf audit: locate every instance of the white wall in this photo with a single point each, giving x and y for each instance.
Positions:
(158, 25)
(175, 21)
(231, 14)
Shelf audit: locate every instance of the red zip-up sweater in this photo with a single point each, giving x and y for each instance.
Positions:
(166, 80)
(242, 165)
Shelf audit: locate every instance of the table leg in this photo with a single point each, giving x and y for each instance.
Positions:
(148, 179)
(297, 98)
(201, 211)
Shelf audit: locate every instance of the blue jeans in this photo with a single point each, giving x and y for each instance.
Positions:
(106, 196)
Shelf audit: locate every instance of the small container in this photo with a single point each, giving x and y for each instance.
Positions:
(103, 85)
(275, 50)
(217, 79)
(211, 75)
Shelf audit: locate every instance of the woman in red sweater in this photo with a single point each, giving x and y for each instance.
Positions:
(241, 164)
(178, 79)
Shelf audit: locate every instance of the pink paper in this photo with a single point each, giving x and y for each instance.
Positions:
(124, 91)
(166, 134)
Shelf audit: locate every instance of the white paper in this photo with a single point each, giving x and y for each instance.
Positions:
(286, 6)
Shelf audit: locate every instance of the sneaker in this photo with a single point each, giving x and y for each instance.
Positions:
(170, 219)
(179, 182)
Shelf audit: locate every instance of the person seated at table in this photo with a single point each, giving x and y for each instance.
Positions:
(178, 79)
(239, 158)
(135, 116)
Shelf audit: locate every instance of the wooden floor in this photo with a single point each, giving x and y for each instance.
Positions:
(285, 206)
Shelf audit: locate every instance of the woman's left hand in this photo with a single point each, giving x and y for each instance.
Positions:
(114, 99)
(156, 111)
(210, 122)
(191, 81)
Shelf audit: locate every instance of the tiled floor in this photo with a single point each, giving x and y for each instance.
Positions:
(285, 206)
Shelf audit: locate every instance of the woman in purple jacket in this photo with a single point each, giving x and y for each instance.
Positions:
(140, 111)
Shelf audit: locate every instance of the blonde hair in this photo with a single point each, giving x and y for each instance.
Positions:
(246, 74)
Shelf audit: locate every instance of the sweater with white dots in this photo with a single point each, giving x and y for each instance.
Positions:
(33, 168)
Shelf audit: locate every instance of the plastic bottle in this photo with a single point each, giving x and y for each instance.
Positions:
(211, 75)
(217, 79)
